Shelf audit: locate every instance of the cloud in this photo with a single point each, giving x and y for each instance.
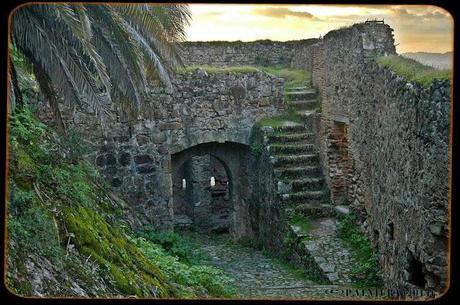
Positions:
(282, 12)
(419, 15)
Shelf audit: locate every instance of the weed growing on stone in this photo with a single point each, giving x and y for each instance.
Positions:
(367, 269)
(216, 70)
(302, 222)
(412, 70)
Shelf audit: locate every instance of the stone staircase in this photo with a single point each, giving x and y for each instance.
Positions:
(295, 157)
(302, 190)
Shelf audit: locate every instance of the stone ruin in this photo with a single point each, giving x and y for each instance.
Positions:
(382, 143)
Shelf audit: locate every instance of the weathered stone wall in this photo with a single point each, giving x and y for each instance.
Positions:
(135, 155)
(267, 212)
(237, 53)
(385, 147)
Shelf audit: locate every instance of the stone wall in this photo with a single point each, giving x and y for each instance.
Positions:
(267, 212)
(135, 155)
(237, 53)
(385, 148)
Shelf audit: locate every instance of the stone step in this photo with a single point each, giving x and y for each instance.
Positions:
(292, 148)
(299, 88)
(292, 138)
(303, 159)
(307, 184)
(313, 211)
(301, 95)
(290, 128)
(294, 172)
(303, 104)
(305, 197)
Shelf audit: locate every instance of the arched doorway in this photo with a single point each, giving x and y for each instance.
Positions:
(201, 195)
(209, 182)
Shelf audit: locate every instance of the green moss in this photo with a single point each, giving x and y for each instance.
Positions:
(302, 222)
(131, 271)
(412, 70)
(280, 120)
(216, 70)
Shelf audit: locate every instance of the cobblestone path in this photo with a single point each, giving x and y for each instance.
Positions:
(257, 275)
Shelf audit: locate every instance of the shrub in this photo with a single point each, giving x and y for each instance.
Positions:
(173, 243)
(194, 279)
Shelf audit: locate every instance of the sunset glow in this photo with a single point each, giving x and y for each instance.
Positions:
(417, 28)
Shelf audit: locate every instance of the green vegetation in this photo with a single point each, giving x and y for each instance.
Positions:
(412, 70)
(301, 221)
(60, 210)
(293, 77)
(173, 243)
(194, 279)
(78, 51)
(367, 270)
(280, 120)
(216, 70)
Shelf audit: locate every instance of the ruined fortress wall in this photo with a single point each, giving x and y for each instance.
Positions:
(385, 147)
(135, 153)
(237, 53)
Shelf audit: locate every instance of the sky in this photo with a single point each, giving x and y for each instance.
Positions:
(418, 28)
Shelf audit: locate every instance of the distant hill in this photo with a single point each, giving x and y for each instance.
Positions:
(436, 60)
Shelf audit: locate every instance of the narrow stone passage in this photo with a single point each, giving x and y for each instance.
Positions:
(256, 274)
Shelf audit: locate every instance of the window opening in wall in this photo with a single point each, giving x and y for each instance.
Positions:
(416, 272)
(391, 231)
(184, 184)
(212, 181)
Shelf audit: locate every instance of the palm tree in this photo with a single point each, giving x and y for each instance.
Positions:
(90, 55)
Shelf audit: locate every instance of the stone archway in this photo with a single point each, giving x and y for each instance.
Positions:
(191, 170)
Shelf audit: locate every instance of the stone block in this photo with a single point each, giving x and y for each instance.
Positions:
(142, 139)
(145, 168)
(110, 159)
(142, 159)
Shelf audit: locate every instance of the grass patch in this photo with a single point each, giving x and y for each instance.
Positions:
(280, 120)
(302, 222)
(366, 272)
(412, 70)
(293, 77)
(216, 70)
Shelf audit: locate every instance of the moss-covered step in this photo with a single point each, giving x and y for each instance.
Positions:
(297, 172)
(291, 138)
(300, 160)
(304, 104)
(301, 95)
(292, 148)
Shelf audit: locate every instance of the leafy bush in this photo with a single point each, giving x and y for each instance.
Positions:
(367, 270)
(194, 279)
(412, 70)
(173, 243)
